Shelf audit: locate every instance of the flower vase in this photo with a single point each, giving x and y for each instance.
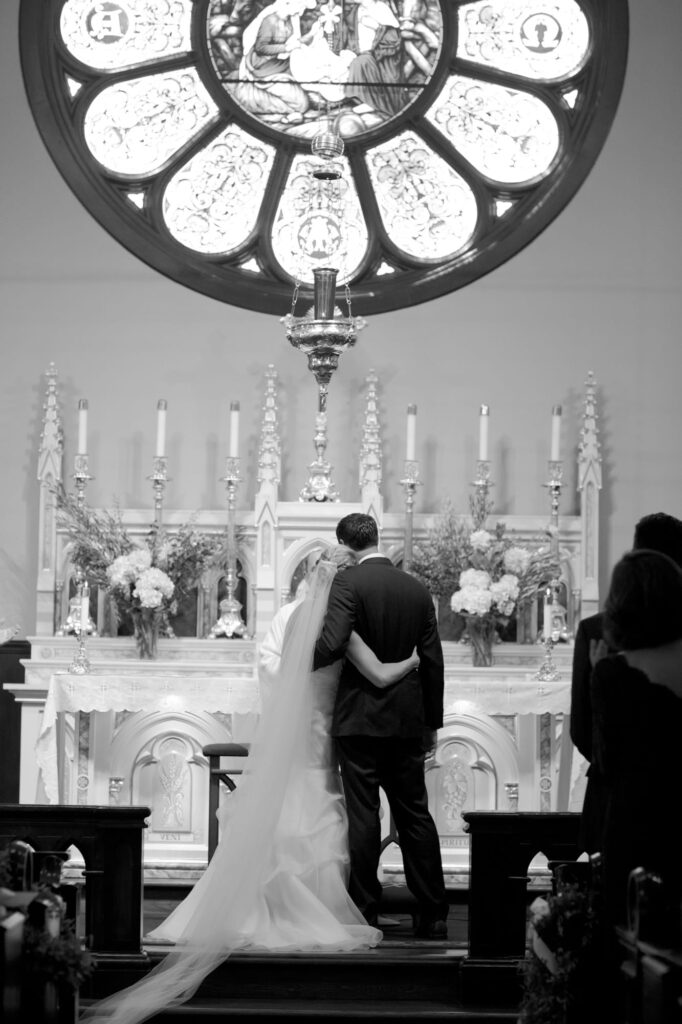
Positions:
(482, 635)
(147, 623)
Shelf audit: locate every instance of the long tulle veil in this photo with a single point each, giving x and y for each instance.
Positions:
(229, 893)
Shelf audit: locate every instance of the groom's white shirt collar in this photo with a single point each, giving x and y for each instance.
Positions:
(365, 558)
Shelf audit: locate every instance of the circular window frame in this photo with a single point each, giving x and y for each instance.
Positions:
(583, 131)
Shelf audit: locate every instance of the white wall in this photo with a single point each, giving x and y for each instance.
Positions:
(598, 290)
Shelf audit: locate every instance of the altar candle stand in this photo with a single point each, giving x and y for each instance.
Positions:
(159, 476)
(80, 476)
(547, 671)
(480, 503)
(80, 664)
(231, 624)
(409, 483)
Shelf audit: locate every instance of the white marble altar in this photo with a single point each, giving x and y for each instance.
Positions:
(132, 731)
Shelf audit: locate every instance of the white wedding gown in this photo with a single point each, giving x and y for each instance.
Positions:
(277, 880)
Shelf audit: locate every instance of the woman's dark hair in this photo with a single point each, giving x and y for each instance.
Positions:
(644, 604)
(358, 531)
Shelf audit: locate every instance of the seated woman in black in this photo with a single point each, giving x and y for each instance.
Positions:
(637, 725)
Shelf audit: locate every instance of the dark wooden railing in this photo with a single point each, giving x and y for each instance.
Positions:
(110, 840)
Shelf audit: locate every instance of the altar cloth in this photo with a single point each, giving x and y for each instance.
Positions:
(497, 693)
(116, 692)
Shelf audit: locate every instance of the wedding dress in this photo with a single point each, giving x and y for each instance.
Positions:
(277, 880)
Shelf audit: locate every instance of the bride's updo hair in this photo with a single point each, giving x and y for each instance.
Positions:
(339, 556)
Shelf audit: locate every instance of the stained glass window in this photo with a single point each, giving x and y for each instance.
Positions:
(467, 127)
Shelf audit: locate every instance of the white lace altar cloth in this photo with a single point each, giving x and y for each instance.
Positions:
(111, 692)
(506, 695)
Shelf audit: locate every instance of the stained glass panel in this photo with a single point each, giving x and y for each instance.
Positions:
(116, 34)
(134, 127)
(292, 64)
(319, 223)
(211, 204)
(428, 210)
(507, 134)
(548, 41)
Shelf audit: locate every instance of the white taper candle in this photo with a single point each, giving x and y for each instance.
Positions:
(161, 409)
(555, 449)
(483, 420)
(83, 426)
(234, 430)
(410, 447)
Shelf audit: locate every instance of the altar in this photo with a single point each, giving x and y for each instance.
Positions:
(121, 731)
(132, 733)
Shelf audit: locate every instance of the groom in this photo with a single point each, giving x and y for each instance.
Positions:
(383, 735)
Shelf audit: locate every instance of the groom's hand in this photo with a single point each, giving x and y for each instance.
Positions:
(429, 739)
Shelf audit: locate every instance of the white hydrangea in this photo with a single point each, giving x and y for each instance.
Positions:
(505, 592)
(516, 560)
(153, 585)
(472, 600)
(477, 578)
(125, 569)
(480, 540)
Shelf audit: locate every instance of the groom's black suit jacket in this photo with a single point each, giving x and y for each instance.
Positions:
(393, 613)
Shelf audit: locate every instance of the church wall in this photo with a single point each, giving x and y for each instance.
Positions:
(598, 290)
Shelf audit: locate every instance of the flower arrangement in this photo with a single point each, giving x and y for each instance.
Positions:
(51, 950)
(146, 580)
(487, 574)
(564, 971)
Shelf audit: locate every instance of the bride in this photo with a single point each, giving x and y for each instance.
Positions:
(277, 880)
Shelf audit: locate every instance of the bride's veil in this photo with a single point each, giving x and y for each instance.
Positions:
(227, 896)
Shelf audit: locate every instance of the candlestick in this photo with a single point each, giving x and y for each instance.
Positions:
(80, 664)
(555, 447)
(230, 623)
(159, 479)
(161, 407)
(480, 502)
(234, 430)
(410, 482)
(82, 426)
(410, 446)
(483, 421)
(85, 607)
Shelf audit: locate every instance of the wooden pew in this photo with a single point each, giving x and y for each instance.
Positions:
(110, 840)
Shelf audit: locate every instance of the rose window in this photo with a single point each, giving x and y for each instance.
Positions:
(186, 129)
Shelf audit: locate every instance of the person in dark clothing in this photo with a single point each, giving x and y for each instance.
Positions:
(382, 735)
(637, 723)
(657, 532)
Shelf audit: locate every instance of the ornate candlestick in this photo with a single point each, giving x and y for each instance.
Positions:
(550, 635)
(80, 476)
(80, 664)
(409, 483)
(159, 479)
(480, 502)
(230, 624)
(323, 334)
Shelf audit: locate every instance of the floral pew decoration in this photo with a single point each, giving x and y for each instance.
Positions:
(43, 960)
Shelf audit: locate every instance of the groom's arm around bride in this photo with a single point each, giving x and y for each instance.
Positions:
(381, 733)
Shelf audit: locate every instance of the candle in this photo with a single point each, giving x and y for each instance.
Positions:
(410, 455)
(161, 407)
(234, 430)
(555, 449)
(83, 426)
(483, 421)
(85, 608)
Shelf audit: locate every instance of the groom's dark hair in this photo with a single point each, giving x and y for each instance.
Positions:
(357, 531)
